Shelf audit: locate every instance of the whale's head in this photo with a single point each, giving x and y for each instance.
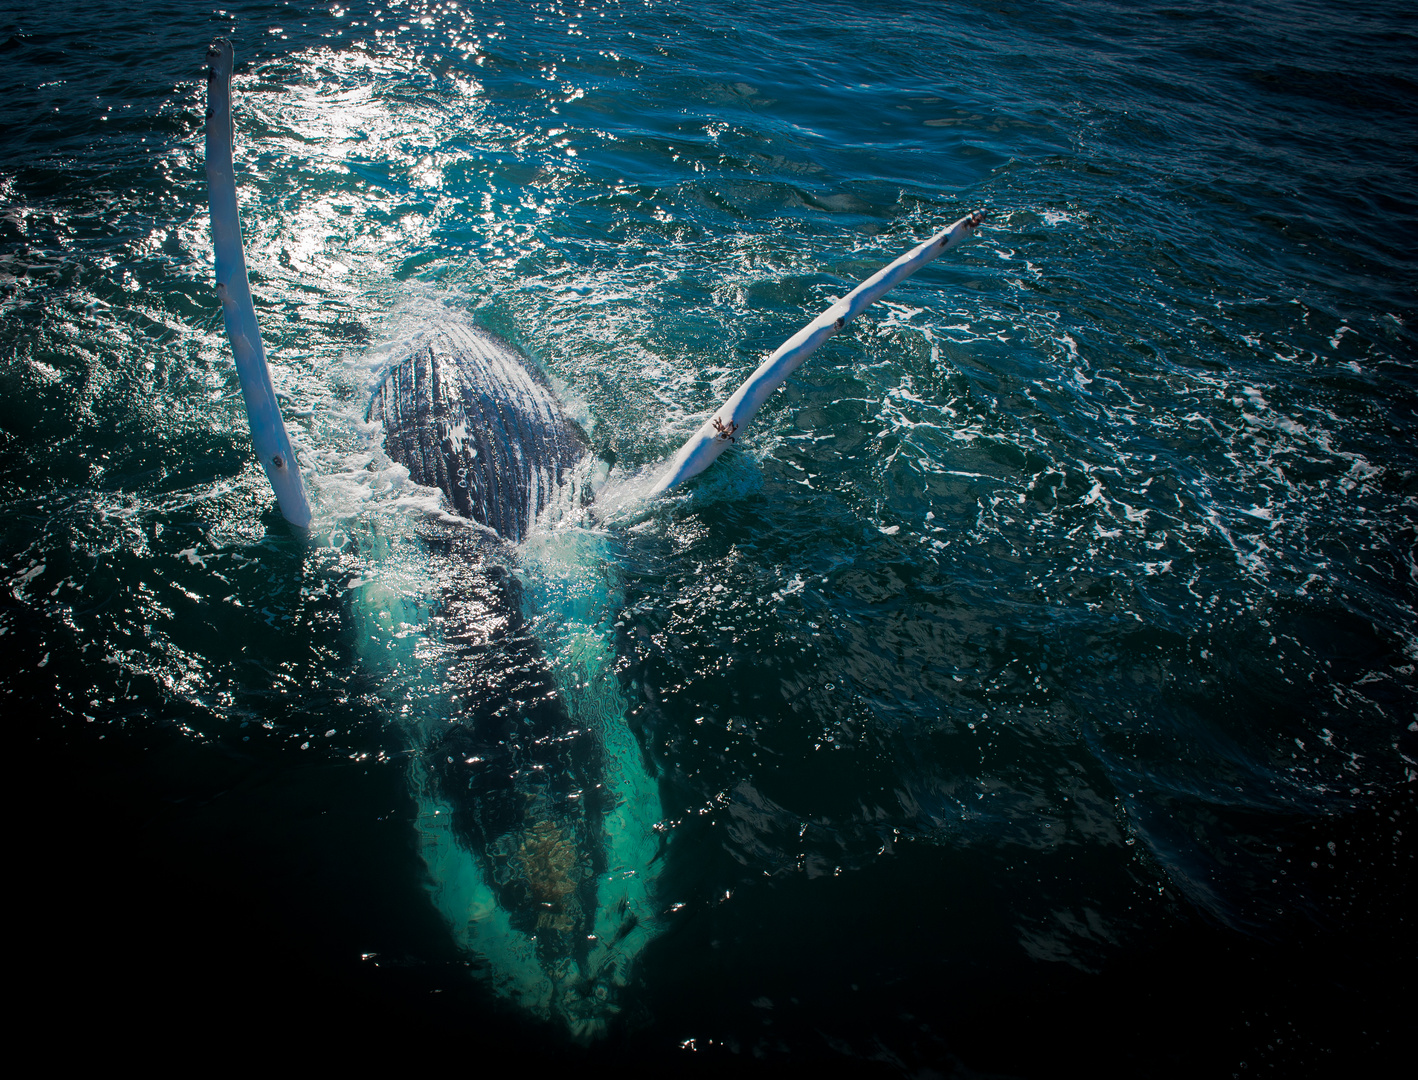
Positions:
(466, 413)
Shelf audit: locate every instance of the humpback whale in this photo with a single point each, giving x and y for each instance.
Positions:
(537, 815)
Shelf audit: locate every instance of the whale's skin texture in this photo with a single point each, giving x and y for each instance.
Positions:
(467, 414)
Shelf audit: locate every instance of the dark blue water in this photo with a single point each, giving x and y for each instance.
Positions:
(1033, 691)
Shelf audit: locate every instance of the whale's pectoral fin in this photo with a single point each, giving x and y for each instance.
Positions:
(268, 427)
(467, 414)
(726, 425)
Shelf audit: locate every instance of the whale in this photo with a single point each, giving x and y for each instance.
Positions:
(536, 812)
(538, 816)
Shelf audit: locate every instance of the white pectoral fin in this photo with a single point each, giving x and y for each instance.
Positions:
(268, 429)
(730, 419)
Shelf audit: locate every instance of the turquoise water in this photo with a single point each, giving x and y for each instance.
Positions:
(1035, 683)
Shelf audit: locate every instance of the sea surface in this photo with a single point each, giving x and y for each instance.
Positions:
(1030, 692)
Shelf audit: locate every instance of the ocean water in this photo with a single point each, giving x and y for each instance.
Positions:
(1031, 690)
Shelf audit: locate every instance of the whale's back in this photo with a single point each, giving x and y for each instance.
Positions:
(465, 412)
